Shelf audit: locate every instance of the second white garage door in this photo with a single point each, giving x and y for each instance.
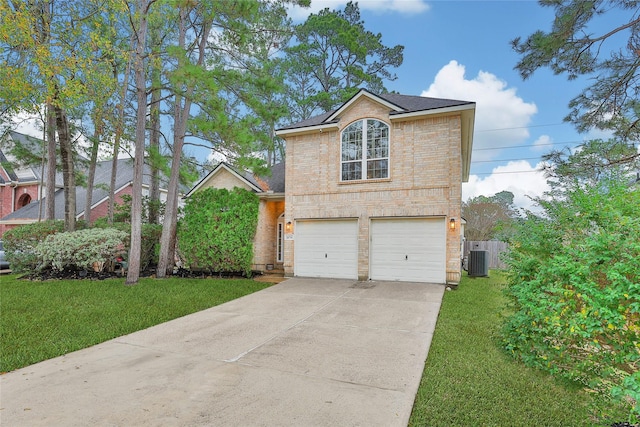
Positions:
(326, 248)
(408, 249)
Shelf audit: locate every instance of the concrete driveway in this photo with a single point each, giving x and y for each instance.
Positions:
(305, 352)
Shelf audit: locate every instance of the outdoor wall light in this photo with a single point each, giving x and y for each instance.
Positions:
(452, 224)
(288, 228)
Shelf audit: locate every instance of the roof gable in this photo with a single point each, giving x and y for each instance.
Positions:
(399, 106)
(220, 169)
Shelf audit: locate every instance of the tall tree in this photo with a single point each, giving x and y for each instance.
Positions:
(334, 56)
(488, 218)
(219, 65)
(51, 44)
(140, 30)
(591, 162)
(582, 42)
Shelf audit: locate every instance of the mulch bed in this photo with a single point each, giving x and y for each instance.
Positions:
(74, 273)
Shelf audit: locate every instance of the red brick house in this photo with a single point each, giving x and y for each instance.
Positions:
(21, 188)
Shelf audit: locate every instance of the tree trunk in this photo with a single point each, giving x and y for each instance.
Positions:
(182, 110)
(68, 172)
(119, 130)
(133, 274)
(154, 145)
(50, 194)
(97, 135)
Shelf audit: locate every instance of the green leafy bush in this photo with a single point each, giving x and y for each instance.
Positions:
(150, 248)
(20, 243)
(217, 230)
(84, 249)
(574, 286)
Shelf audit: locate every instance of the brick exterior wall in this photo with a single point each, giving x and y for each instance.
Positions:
(225, 179)
(265, 240)
(424, 179)
(9, 198)
(102, 209)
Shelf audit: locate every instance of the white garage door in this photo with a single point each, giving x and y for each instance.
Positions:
(326, 248)
(412, 250)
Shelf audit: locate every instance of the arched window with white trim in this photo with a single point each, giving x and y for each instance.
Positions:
(364, 151)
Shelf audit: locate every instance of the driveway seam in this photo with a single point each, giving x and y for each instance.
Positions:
(244, 353)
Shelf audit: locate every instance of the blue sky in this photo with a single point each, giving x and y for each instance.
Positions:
(461, 50)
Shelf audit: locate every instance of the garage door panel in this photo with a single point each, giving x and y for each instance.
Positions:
(326, 248)
(408, 249)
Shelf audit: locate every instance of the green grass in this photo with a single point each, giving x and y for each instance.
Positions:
(41, 320)
(470, 381)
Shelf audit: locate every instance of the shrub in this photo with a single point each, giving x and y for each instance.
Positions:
(150, 248)
(20, 243)
(217, 230)
(574, 286)
(150, 240)
(81, 249)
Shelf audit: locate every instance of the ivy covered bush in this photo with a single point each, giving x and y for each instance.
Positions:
(82, 249)
(217, 230)
(20, 243)
(574, 287)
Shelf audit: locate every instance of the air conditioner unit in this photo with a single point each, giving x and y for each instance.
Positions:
(478, 263)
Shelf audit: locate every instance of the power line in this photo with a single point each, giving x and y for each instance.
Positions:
(520, 127)
(529, 146)
(505, 160)
(506, 172)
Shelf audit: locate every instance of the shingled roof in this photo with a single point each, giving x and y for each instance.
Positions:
(399, 104)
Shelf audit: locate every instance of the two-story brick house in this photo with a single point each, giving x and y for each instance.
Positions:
(372, 191)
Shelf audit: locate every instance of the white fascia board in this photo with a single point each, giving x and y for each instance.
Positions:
(434, 111)
(271, 196)
(359, 95)
(211, 174)
(468, 126)
(18, 221)
(307, 129)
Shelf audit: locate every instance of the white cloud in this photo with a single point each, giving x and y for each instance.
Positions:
(502, 117)
(519, 177)
(379, 6)
(543, 143)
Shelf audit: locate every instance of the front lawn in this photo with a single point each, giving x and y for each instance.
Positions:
(470, 381)
(41, 320)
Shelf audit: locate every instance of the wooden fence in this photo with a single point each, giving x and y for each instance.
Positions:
(494, 248)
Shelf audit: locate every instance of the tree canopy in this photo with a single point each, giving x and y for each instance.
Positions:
(488, 217)
(333, 56)
(581, 43)
(578, 44)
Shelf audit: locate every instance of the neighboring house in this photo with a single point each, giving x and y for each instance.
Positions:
(373, 191)
(19, 184)
(34, 210)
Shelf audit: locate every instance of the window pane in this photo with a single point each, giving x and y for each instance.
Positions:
(377, 139)
(352, 142)
(377, 169)
(351, 171)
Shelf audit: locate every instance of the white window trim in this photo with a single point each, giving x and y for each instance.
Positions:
(364, 160)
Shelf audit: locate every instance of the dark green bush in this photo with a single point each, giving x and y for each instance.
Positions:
(217, 230)
(20, 243)
(574, 286)
(150, 248)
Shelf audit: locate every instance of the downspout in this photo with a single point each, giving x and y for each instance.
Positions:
(14, 185)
